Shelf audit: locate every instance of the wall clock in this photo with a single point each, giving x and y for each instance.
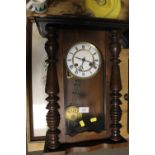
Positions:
(83, 81)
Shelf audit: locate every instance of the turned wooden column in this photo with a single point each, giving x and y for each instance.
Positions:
(52, 89)
(115, 86)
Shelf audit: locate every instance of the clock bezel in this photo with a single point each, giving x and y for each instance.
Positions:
(97, 51)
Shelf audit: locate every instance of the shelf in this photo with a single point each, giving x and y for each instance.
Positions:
(75, 8)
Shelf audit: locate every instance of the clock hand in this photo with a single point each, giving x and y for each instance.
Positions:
(78, 58)
(92, 64)
(88, 61)
(81, 66)
(83, 59)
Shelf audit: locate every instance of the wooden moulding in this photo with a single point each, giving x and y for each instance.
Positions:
(78, 22)
(39, 146)
(88, 149)
(52, 87)
(87, 146)
(115, 86)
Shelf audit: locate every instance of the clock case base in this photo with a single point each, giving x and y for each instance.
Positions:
(84, 146)
(72, 22)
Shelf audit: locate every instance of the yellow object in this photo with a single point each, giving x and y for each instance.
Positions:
(94, 119)
(72, 113)
(107, 9)
(82, 124)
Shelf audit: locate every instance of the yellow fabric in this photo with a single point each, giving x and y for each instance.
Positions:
(94, 119)
(111, 9)
(82, 124)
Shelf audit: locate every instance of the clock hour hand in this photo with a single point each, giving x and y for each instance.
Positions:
(81, 66)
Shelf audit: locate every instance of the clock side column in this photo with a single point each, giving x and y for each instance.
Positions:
(52, 89)
(115, 86)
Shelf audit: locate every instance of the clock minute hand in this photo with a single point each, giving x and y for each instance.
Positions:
(78, 58)
(83, 59)
(88, 61)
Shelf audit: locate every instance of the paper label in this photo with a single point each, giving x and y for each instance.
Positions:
(84, 109)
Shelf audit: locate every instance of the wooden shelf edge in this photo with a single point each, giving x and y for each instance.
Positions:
(96, 147)
(35, 146)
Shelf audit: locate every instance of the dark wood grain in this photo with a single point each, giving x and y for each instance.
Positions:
(52, 89)
(115, 86)
(29, 73)
(96, 87)
(78, 22)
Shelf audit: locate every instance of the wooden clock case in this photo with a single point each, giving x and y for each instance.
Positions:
(61, 33)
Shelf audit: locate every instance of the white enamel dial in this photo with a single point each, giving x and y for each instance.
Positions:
(83, 60)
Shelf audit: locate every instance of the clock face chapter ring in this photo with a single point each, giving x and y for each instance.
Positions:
(83, 60)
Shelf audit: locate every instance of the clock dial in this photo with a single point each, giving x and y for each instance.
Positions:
(83, 60)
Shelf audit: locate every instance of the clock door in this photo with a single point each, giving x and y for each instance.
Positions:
(86, 100)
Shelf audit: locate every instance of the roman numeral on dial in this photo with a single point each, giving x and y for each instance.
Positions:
(83, 46)
(76, 48)
(83, 73)
(71, 66)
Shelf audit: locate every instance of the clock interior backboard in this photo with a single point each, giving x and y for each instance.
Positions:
(83, 93)
(91, 93)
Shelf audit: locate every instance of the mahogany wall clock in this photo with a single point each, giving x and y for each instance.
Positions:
(83, 81)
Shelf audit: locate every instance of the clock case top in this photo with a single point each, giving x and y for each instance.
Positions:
(92, 30)
(79, 22)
